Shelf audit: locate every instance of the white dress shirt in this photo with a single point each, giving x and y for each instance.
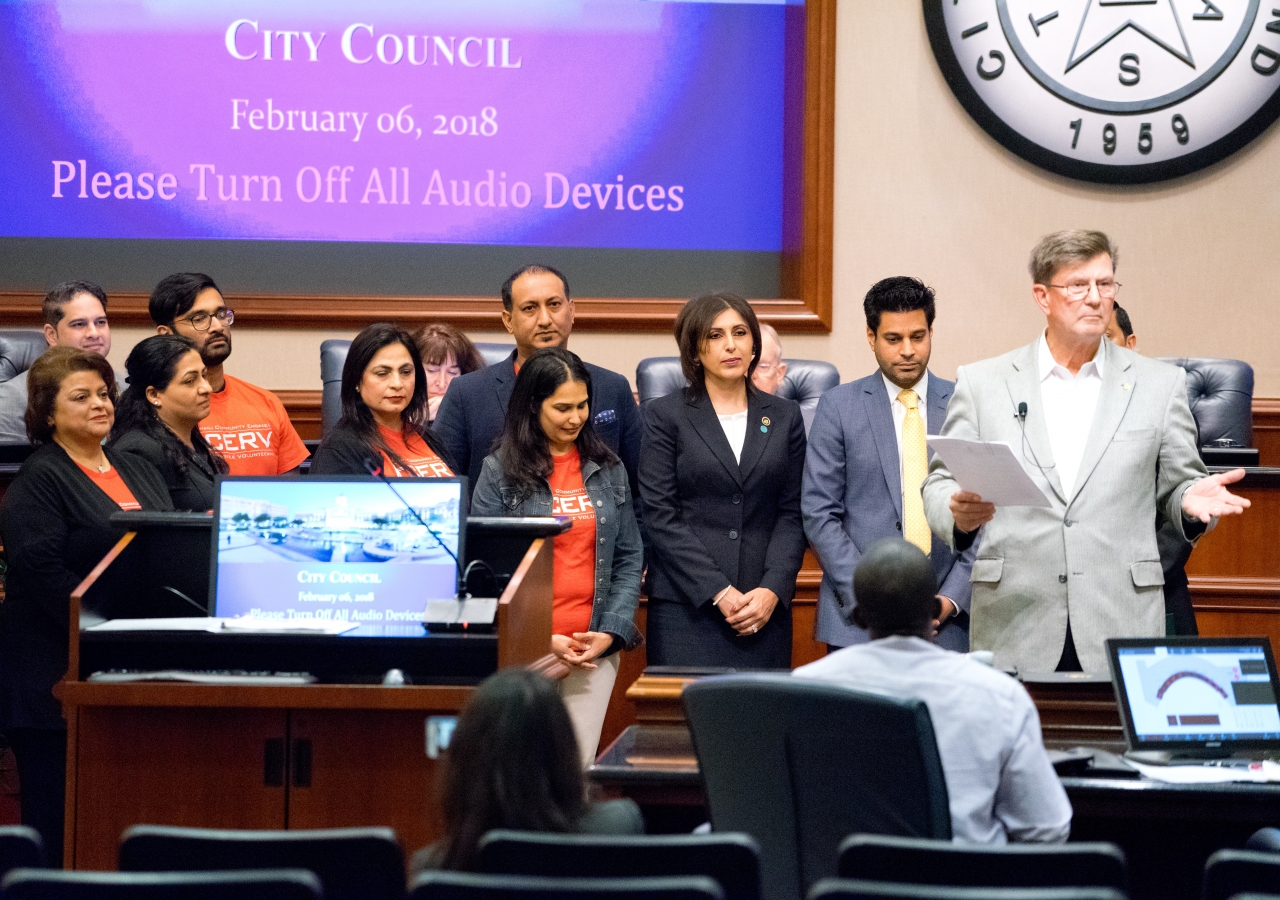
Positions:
(1069, 402)
(899, 411)
(735, 431)
(1000, 783)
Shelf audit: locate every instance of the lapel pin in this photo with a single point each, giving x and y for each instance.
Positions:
(764, 429)
(766, 421)
(1125, 386)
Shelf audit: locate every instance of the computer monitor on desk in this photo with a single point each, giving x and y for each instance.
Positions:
(1196, 698)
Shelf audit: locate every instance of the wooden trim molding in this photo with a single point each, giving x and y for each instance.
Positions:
(806, 266)
(303, 408)
(1231, 594)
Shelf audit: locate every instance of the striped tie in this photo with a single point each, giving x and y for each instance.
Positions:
(915, 466)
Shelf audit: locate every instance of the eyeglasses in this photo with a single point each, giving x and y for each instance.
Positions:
(201, 321)
(1078, 290)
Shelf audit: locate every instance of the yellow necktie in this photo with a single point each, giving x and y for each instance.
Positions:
(915, 466)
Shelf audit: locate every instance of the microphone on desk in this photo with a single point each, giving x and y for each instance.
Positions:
(375, 469)
(204, 610)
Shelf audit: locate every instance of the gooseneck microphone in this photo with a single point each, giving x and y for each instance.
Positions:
(376, 471)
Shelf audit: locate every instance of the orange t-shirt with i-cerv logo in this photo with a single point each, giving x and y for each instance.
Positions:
(421, 459)
(113, 486)
(574, 568)
(249, 427)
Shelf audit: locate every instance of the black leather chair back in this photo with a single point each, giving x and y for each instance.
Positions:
(1231, 872)
(732, 860)
(1220, 393)
(333, 356)
(806, 381)
(470, 886)
(874, 857)
(800, 764)
(55, 884)
(19, 348)
(840, 889)
(352, 863)
(21, 847)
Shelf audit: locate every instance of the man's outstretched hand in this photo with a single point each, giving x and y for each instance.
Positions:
(1209, 497)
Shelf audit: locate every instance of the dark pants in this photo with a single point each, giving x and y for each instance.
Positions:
(680, 634)
(41, 754)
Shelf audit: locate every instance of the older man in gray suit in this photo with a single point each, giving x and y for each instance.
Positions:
(1108, 438)
(866, 461)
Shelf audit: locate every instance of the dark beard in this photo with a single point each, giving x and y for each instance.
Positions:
(216, 355)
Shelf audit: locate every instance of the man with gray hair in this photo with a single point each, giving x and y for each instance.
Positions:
(1108, 438)
(770, 370)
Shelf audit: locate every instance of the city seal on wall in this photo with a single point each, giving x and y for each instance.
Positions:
(1113, 91)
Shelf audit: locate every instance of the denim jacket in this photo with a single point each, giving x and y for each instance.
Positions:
(619, 551)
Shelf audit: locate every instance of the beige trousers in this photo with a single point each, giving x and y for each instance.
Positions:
(586, 695)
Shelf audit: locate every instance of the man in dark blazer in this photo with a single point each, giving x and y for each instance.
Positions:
(538, 312)
(854, 493)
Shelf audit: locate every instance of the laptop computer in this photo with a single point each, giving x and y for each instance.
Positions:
(1196, 700)
(354, 549)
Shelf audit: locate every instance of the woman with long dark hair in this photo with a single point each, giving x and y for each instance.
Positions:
(158, 419)
(513, 763)
(550, 462)
(720, 471)
(384, 411)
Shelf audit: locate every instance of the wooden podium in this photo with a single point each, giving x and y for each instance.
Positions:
(269, 757)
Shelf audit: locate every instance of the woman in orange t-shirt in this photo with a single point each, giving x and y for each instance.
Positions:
(384, 412)
(551, 462)
(55, 522)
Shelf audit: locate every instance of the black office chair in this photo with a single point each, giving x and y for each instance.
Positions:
(806, 381)
(840, 889)
(873, 857)
(1231, 872)
(21, 847)
(732, 860)
(19, 348)
(352, 863)
(800, 764)
(265, 884)
(1264, 839)
(469, 886)
(1220, 394)
(333, 356)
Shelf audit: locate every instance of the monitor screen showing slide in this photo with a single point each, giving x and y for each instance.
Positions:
(338, 549)
(1196, 692)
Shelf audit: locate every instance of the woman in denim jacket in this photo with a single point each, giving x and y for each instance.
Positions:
(550, 462)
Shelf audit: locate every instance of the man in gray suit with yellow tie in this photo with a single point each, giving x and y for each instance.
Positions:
(1108, 438)
(867, 459)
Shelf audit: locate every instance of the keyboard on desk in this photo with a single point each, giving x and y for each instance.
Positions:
(202, 676)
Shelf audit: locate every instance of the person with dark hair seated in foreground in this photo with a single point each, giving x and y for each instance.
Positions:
(513, 763)
(384, 412)
(55, 522)
(158, 419)
(1000, 783)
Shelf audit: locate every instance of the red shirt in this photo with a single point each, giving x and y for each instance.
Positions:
(421, 459)
(248, 425)
(574, 569)
(113, 486)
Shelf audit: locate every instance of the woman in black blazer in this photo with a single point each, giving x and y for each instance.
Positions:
(720, 471)
(55, 523)
(157, 419)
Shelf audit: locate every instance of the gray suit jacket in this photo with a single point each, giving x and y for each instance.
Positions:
(852, 497)
(1093, 553)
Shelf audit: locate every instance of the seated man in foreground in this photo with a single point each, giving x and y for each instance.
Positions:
(1000, 783)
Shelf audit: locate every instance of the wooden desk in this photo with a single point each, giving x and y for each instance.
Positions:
(270, 757)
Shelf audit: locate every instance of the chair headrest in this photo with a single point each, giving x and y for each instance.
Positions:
(19, 348)
(1220, 394)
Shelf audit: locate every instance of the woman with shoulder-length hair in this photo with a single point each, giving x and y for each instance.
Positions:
(513, 763)
(446, 354)
(384, 411)
(550, 462)
(720, 472)
(55, 522)
(158, 419)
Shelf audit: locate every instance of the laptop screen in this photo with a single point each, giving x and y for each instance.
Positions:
(1182, 694)
(350, 549)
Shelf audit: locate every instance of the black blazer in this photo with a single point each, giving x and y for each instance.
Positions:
(473, 410)
(195, 491)
(55, 525)
(713, 521)
(344, 452)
